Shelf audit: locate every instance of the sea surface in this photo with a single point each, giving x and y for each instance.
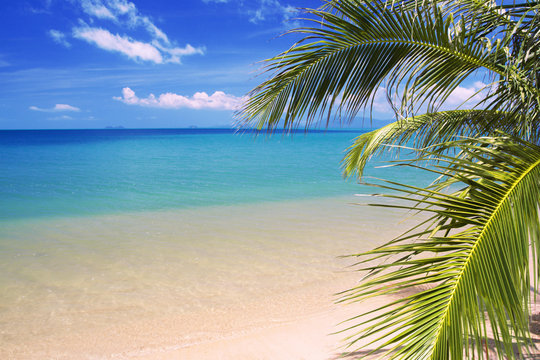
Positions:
(88, 172)
(117, 240)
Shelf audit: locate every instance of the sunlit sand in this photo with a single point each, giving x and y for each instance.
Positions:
(185, 284)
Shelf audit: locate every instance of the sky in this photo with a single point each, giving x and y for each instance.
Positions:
(141, 63)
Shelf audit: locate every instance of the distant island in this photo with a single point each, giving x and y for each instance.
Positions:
(115, 127)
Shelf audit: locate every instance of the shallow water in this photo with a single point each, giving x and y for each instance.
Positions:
(113, 243)
(68, 278)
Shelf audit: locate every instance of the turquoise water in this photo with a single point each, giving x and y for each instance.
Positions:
(180, 233)
(88, 172)
(51, 173)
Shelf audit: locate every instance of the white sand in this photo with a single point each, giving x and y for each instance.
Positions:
(309, 337)
(245, 282)
(171, 283)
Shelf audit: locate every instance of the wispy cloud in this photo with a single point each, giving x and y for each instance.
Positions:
(42, 7)
(97, 9)
(4, 63)
(122, 12)
(262, 10)
(56, 108)
(134, 49)
(271, 9)
(61, 117)
(59, 37)
(156, 47)
(174, 54)
(113, 42)
(200, 100)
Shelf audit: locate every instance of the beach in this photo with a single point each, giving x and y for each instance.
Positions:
(263, 274)
(183, 244)
(177, 244)
(269, 180)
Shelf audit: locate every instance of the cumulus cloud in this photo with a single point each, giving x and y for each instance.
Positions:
(200, 100)
(59, 37)
(56, 108)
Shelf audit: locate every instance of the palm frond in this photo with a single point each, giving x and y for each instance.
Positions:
(473, 250)
(425, 131)
(339, 65)
(473, 256)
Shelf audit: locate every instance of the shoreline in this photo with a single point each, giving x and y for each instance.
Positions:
(250, 282)
(138, 285)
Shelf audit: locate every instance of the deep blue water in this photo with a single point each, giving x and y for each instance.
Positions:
(83, 172)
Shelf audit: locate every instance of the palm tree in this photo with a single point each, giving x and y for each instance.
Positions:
(476, 254)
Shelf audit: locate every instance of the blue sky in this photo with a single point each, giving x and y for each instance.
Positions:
(139, 63)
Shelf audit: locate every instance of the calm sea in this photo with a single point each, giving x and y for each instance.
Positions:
(82, 172)
(107, 232)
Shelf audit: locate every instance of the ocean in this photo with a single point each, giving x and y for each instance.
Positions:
(86, 172)
(176, 231)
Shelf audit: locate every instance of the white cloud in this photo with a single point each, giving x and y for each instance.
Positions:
(97, 9)
(261, 10)
(65, 107)
(56, 108)
(131, 48)
(59, 37)
(137, 50)
(200, 100)
(155, 31)
(256, 16)
(61, 117)
(380, 103)
(122, 12)
(271, 8)
(176, 53)
(289, 12)
(157, 49)
(466, 97)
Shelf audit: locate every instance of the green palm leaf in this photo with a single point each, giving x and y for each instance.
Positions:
(475, 256)
(354, 47)
(425, 130)
(473, 251)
